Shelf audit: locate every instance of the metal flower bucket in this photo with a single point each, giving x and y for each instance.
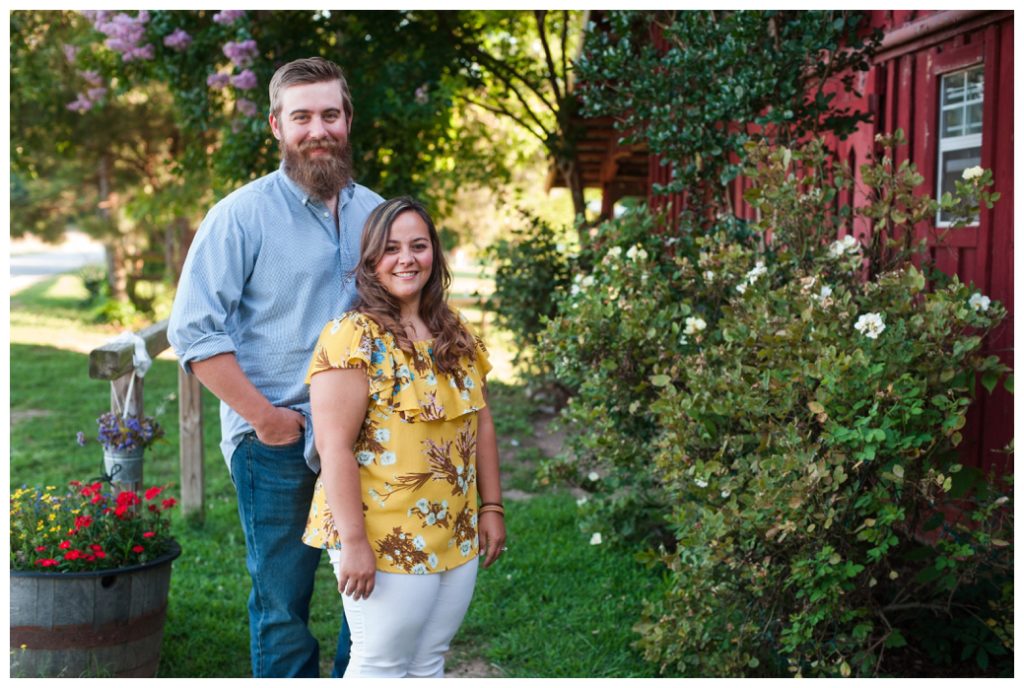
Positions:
(123, 466)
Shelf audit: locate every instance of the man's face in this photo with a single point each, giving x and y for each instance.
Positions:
(312, 130)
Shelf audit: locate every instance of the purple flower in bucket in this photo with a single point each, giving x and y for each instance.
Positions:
(117, 433)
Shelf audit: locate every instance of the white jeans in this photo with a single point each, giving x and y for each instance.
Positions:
(407, 623)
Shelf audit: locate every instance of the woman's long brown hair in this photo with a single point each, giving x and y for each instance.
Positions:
(452, 341)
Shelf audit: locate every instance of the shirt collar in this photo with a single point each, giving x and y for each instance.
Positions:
(343, 196)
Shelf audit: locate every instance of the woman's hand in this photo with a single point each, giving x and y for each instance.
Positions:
(358, 570)
(492, 536)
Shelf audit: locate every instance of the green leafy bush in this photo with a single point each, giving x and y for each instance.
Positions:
(532, 268)
(782, 418)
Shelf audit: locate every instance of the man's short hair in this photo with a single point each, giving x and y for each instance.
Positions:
(309, 70)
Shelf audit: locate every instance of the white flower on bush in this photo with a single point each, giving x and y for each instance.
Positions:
(593, 476)
(972, 173)
(824, 295)
(587, 281)
(725, 494)
(848, 245)
(595, 539)
(613, 253)
(636, 251)
(695, 325)
(709, 276)
(701, 483)
(752, 276)
(870, 325)
(581, 501)
(574, 290)
(979, 302)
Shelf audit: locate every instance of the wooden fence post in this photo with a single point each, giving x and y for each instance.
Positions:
(190, 424)
(113, 362)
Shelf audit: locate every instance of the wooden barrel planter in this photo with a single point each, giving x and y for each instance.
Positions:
(97, 623)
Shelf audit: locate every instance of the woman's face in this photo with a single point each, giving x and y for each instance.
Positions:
(408, 258)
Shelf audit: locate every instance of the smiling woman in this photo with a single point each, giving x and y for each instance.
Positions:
(409, 497)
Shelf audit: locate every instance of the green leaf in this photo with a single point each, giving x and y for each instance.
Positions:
(815, 407)
(895, 639)
(989, 380)
(1008, 383)
(660, 380)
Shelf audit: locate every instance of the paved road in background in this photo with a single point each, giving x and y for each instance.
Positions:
(32, 261)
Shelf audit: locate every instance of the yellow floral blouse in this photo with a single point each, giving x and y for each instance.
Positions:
(416, 451)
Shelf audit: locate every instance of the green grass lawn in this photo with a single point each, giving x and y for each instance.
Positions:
(555, 606)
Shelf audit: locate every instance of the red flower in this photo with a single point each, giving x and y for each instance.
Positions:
(41, 548)
(83, 521)
(138, 549)
(169, 502)
(65, 545)
(96, 548)
(72, 555)
(153, 492)
(90, 557)
(46, 562)
(73, 531)
(149, 534)
(101, 555)
(97, 498)
(153, 507)
(121, 510)
(128, 499)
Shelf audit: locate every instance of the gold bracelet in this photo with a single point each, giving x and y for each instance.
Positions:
(492, 507)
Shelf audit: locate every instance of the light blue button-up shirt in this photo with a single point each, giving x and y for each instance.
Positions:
(267, 269)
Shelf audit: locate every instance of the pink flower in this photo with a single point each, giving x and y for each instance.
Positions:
(246, 81)
(138, 549)
(153, 492)
(72, 555)
(65, 545)
(95, 94)
(241, 53)
(47, 562)
(178, 40)
(149, 534)
(94, 78)
(226, 17)
(217, 81)
(81, 104)
(169, 502)
(41, 548)
(246, 107)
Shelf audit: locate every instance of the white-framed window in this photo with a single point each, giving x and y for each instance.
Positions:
(960, 109)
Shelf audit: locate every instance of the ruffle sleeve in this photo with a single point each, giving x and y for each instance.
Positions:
(353, 341)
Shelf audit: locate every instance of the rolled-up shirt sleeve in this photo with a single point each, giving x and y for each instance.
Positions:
(219, 262)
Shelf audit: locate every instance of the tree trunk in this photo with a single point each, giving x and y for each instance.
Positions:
(571, 176)
(117, 274)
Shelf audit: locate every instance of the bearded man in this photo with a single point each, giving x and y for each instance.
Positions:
(269, 265)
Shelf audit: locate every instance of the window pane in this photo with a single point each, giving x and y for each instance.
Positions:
(975, 83)
(951, 169)
(952, 122)
(973, 119)
(953, 88)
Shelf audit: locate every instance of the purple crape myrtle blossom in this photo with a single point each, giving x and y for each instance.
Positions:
(247, 107)
(92, 76)
(178, 40)
(95, 94)
(241, 53)
(70, 52)
(226, 17)
(246, 81)
(217, 81)
(81, 104)
(124, 33)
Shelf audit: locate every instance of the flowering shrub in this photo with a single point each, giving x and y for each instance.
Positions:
(87, 529)
(124, 434)
(783, 421)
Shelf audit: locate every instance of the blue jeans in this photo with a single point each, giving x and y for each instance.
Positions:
(274, 487)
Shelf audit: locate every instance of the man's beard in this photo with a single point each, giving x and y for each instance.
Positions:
(323, 176)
